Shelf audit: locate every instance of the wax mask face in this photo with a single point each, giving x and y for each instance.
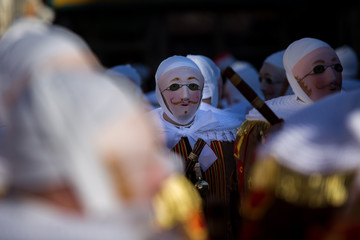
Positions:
(319, 85)
(182, 100)
(271, 80)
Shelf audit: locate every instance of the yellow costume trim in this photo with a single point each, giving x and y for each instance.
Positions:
(257, 126)
(240, 135)
(315, 190)
(273, 181)
(179, 204)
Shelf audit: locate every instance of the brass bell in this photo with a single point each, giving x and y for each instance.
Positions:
(202, 186)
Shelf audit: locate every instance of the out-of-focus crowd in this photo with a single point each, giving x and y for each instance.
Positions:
(86, 153)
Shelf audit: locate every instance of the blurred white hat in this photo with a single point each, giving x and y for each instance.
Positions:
(211, 74)
(349, 61)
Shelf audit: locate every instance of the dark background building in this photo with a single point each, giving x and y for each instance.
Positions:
(148, 31)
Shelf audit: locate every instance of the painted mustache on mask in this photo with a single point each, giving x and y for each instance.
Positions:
(183, 102)
(332, 86)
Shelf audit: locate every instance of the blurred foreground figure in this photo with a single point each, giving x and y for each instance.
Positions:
(306, 179)
(82, 160)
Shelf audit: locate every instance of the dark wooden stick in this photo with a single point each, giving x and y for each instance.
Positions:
(251, 96)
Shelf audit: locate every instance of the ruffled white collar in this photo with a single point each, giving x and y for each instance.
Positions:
(208, 125)
(283, 107)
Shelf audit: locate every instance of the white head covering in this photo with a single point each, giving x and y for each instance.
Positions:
(126, 70)
(276, 59)
(293, 54)
(319, 137)
(165, 66)
(349, 61)
(211, 74)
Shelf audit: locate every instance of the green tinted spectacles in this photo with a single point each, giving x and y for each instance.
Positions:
(321, 68)
(177, 86)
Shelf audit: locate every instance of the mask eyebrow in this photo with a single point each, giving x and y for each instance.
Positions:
(192, 77)
(319, 61)
(175, 79)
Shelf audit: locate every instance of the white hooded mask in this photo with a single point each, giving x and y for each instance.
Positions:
(165, 66)
(293, 54)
